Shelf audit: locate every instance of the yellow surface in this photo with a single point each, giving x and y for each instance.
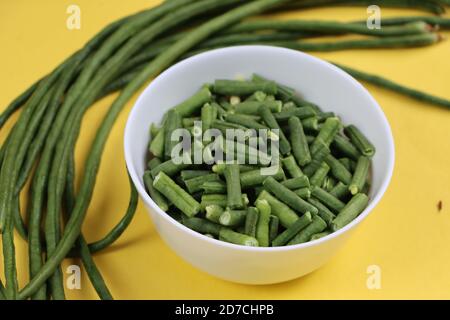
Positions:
(405, 235)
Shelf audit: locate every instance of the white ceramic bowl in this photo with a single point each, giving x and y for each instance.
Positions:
(318, 81)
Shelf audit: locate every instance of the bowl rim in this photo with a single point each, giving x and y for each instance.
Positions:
(386, 129)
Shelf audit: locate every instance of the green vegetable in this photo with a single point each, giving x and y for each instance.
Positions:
(360, 141)
(326, 134)
(243, 88)
(319, 235)
(317, 158)
(244, 121)
(217, 199)
(172, 123)
(180, 198)
(237, 238)
(251, 221)
(153, 163)
(324, 212)
(331, 27)
(393, 86)
(350, 165)
(317, 225)
(351, 210)
(263, 225)
(311, 124)
(291, 167)
(208, 115)
(270, 121)
(360, 176)
(288, 196)
(327, 199)
(294, 229)
(319, 176)
(345, 147)
(234, 195)
(168, 167)
(157, 144)
(303, 193)
(300, 147)
(300, 113)
(154, 194)
(190, 174)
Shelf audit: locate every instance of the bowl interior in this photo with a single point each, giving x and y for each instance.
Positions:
(314, 79)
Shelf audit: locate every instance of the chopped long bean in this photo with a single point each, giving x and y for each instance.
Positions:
(237, 238)
(317, 225)
(288, 196)
(263, 225)
(180, 198)
(360, 141)
(300, 147)
(350, 211)
(234, 195)
(290, 232)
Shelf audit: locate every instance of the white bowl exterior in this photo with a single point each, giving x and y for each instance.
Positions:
(317, 81)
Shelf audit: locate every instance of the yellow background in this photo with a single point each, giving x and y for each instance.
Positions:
(405, 235)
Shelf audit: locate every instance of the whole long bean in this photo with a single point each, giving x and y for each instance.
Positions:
(109, 69)
(41, 174)
(386, 83)
(286, 215)
(443, 23)
(272, 123)
(393, 86)
(412, 41)
(237, 238)
(8, 177)
(91, 269)
(425, 5)
(326, 134)
(74, 224)
(329, 27)
(327, 199)
(180, 198)
(273, 227)
(291, 167)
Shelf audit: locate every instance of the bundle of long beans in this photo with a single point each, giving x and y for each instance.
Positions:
(122, 57)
